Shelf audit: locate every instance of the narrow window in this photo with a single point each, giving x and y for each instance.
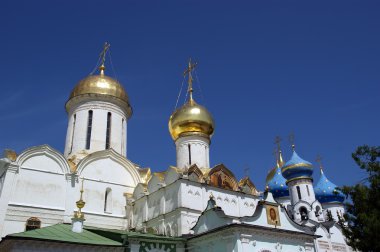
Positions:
(189, 148)
(299, 192)
(108, 132)
(108, 201)
(73, 131)
(89, 128)
(122, 136)
(32, 223)
(308, 192)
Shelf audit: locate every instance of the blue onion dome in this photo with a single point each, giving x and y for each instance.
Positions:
(297, 168)
(326, 192)
(277, 185)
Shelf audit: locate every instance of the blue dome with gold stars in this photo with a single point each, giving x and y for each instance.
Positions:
(277, 185)
(326, 192)
(296, 167)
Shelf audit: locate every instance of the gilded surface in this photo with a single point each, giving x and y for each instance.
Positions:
(101, 85)
(191, 118)
(297, 165)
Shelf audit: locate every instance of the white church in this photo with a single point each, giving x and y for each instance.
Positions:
(93, 198)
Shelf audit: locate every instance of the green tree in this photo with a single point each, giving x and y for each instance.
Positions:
(361, 226)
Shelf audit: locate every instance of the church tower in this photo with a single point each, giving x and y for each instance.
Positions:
(191, 127)
(298, 174)
(98, 110)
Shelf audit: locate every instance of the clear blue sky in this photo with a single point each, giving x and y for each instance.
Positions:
(266, 68)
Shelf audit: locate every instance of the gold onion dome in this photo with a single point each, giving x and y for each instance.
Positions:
(101, 85)
(191, 119)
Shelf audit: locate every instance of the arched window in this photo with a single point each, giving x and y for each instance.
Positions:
(303, 212)
(108, 201)
(317, 211)
(299, 192)
(89, 129)
(122, 136)
(108, 131)
(72, 132)
(189, 148)
(32, 223)
(308, 192)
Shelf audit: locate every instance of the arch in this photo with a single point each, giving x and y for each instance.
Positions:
(47, 151)
(108, 130)
(168, 230)
(304, 213)
(89, 129)
(246, 186)
(114, 156)
(220, 176)
(194, 173)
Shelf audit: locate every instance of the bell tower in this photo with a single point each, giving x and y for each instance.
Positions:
(191, 127)
(98, 110)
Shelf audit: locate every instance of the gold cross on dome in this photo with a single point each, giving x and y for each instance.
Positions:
(319, 161)
(188, 71)
(246, 171)
(291, 140)
(104, 52)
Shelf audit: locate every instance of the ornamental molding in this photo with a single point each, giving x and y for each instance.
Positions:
(47, 151)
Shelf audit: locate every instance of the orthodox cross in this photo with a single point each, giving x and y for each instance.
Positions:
(246, 171)
(277, 141)
(291, 140)
(188, 71)
(319, 161)
(104, 52)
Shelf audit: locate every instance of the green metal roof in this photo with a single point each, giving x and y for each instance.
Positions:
(63, 233)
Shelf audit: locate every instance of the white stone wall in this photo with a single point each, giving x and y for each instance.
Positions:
(199, 151)
(40, 184)
(76, 136)
(306, 189)
(184, 201)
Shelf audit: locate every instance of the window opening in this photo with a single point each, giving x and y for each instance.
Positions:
(308, 192)
(72, 132)
(189, 148)
(298, 192)
(89, 129)
(108, 201)
(108, 131)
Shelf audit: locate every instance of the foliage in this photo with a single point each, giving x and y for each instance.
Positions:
(362, 219)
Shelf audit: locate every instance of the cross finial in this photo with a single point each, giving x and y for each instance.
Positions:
(103, 57)
(319, 161)
(277, 141)
(246, 171)
(188, 71)
(291, 140)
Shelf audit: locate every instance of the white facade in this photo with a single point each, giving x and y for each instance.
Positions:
(44, 184)
(94, 115)
(193, 150)
(40, 183)
(303, 201)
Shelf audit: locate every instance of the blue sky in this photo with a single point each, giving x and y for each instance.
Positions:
(266, 68)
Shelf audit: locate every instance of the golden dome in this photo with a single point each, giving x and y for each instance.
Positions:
(100, 85)
(191, 119)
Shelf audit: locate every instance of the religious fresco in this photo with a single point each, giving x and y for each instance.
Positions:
(273, 217)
